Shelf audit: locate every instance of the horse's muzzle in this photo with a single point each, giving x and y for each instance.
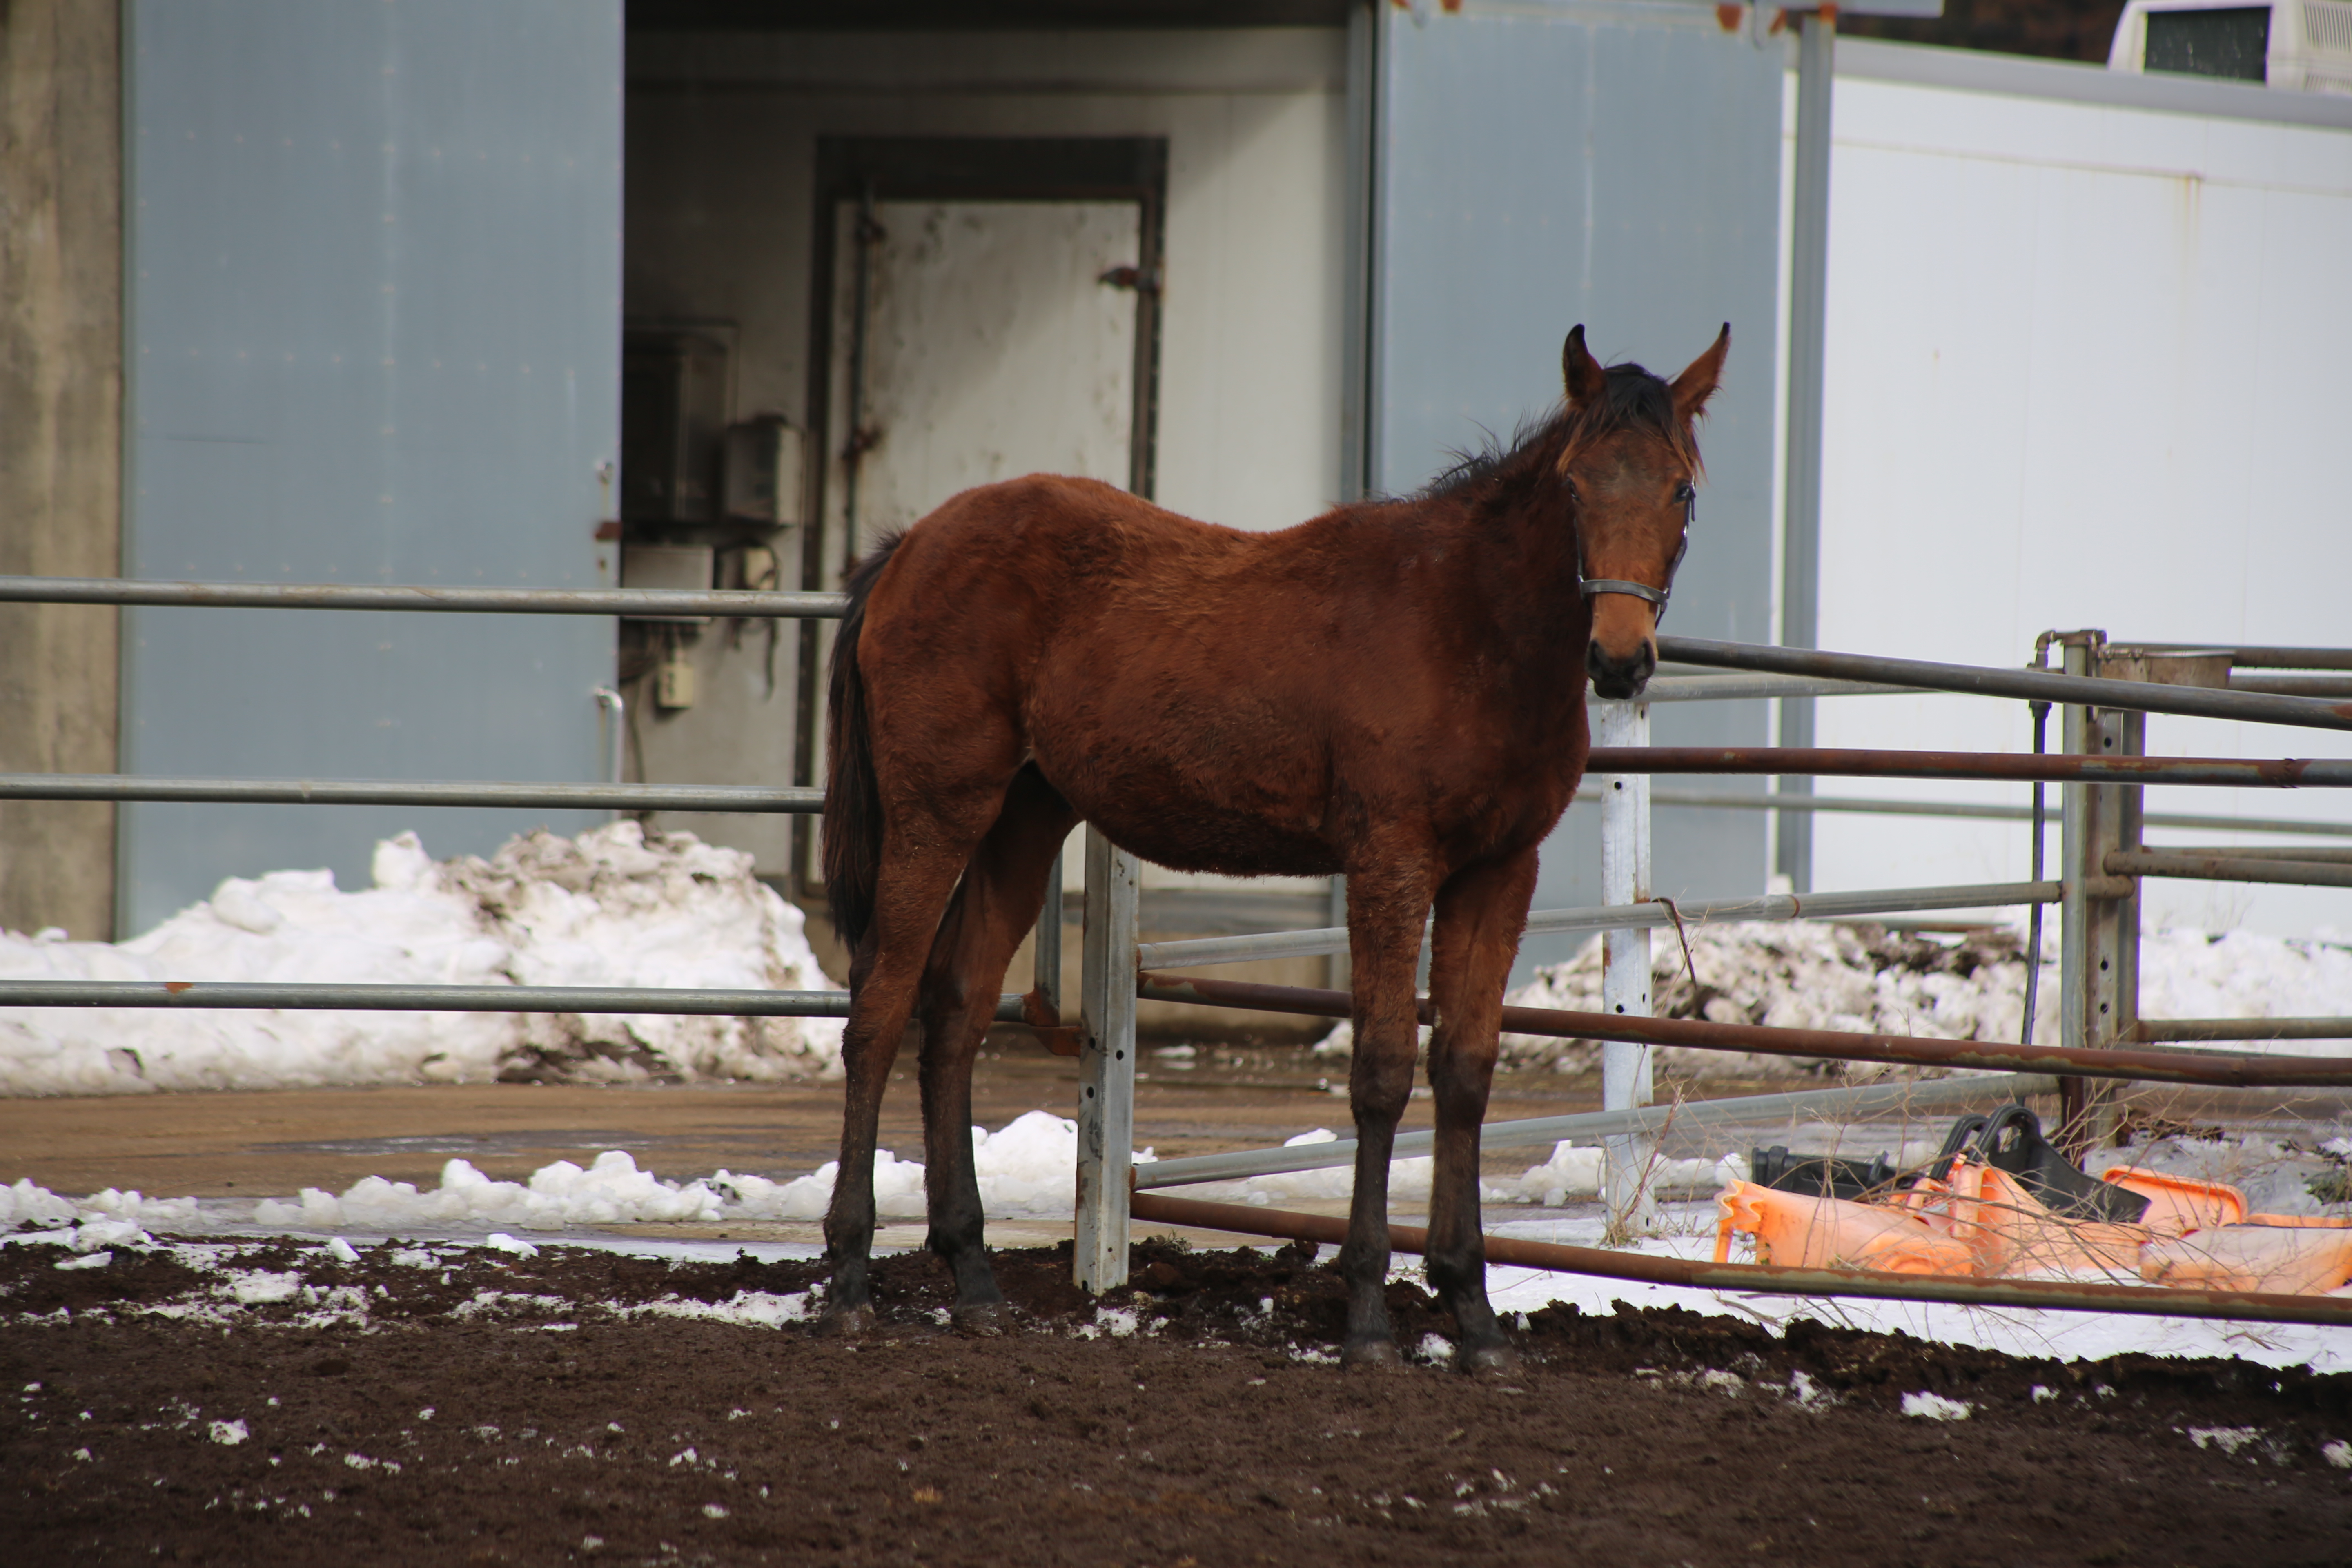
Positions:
(1617, 678)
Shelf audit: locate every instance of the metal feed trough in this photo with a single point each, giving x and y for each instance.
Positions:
(2103, 1039)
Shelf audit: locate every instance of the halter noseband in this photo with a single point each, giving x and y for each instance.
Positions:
(1589, 586)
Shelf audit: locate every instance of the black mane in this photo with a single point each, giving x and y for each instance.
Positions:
(1630, 397)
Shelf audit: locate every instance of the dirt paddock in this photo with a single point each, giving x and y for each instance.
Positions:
(230, 1403)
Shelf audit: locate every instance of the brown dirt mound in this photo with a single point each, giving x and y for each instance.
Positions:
(494, 1409)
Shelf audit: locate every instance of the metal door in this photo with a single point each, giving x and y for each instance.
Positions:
(1538, 165)
(989, 348)
(374, 281)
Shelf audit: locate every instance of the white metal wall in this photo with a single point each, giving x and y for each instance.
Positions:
(2087, 365)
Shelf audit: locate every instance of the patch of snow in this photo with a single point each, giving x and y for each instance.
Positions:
(499, 1241)
(751, 1308)
(231, 1433)
(2336, 1453)
(610, 1190)
(341, 1251)
(2229, 1439)
(615, 907)
(1935, 1407)
(87, 1260)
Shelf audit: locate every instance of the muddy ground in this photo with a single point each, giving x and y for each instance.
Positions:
(234, 1403)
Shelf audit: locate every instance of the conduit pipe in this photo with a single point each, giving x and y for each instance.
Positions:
(410, 792)
(1818, 762)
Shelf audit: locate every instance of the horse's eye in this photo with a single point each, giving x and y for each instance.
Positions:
(1683, 493)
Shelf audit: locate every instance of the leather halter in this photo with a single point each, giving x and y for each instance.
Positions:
(1589, 586)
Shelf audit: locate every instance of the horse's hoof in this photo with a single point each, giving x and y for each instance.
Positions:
(1487, 1359)
(1373, 1355)
(981, 1320)
(844, 1323)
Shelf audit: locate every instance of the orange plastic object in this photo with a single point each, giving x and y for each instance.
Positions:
(2178, 1205)
(1796, 1231)
(2012, 1233)
(2298, 1259)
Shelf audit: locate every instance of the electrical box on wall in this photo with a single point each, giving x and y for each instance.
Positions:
(759, 470)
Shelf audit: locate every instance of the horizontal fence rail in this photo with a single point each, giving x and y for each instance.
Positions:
(652, 604)
(2057, 767)
(1630, 917)
(1738, 688)
(2034, 685)
(2228, 867)
(1866, 805)
(322, 996)
(2263, 658)
(1759, 1278)
(2153, 1029)
(2216, 1069)
(418, 791)
(1936, 1094)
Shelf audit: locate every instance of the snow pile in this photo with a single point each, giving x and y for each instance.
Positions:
(1861, 977)
(615, 907)
(610, 1191)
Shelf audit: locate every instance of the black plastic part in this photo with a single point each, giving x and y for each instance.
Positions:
(2012, 1140)
(1850, 1179)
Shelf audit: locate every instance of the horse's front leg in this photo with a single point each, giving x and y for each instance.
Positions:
(1386, 906)
(1481, 911)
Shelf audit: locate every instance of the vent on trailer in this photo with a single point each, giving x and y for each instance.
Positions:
(2298, 45)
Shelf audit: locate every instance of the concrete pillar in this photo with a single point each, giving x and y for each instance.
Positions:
(60, 444)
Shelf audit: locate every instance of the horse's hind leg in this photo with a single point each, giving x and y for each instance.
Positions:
(919, 872)
(1481, 911)
(1386, 904)
(1002, 890)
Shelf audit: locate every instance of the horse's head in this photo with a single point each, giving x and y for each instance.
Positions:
(1631, 462)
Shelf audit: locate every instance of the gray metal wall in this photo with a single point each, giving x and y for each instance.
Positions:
(1618, 165)
(373, 266)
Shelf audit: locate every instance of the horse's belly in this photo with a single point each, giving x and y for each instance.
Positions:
(1206, 838)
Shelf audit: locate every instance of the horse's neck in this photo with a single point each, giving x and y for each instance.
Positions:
(1516, 581)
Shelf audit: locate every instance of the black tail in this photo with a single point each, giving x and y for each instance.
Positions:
(853, 800)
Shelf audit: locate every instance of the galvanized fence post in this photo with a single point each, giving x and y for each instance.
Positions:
(1625, 1068)
(1106, 1066)
(2098, 969)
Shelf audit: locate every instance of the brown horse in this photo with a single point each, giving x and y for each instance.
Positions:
(1394, 690)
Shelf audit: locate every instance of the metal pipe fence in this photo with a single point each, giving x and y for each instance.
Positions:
(648, 604)
(2210, 1069)
(1650, 915)
(1858, 1100)
(411, 792)
(1868, 805)
(2032, 685)
(2102, 837)
(330, 997)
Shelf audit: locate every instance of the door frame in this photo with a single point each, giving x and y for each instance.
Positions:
(962, 169)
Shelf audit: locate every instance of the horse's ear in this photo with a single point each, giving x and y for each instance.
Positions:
(1697, 382)
(1580, 369)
